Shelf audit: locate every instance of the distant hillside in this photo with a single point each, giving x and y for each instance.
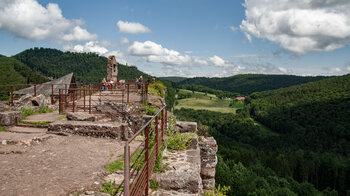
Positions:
(248, 83)
(87, 67)
(14, 72)
(316, 111)
(174, 78)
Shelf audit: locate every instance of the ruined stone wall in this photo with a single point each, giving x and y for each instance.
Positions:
(112, 69)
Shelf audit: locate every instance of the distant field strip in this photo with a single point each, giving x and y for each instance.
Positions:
(202, 101)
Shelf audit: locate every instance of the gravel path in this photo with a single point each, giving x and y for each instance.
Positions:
(57, 166)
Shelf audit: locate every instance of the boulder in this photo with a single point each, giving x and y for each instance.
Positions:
(184, 127)
(10, 118)
(80, 116)
(209, 184)
(40, 101)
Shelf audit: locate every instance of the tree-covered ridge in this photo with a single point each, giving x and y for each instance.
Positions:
(252, 160)
(14, 72)
(248, 83)
(173, 78)
(317, 113)
(87, 67)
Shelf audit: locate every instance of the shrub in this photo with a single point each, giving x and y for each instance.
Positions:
(157, 88)
(180, 141)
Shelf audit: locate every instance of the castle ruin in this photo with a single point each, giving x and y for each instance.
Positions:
(112, 69)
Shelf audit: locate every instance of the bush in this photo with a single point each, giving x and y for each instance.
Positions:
(180, 141)
(150, 110)
(157, 88)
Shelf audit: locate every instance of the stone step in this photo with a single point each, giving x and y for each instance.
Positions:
(93, 129)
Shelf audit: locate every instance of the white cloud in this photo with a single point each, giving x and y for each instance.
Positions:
(91, 46)
(119, 55)
(217, 61)
(233, 28)
(156, 53)
(79, 34)
(299, 26)
(132, 27)
(124, 41)
(30, 20)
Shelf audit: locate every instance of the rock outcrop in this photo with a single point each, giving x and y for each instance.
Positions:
(184, 127)
(80, 116)
(10, 118)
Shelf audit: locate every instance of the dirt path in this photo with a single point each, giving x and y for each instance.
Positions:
(56, 166)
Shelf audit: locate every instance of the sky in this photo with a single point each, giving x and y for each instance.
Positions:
(189, 37)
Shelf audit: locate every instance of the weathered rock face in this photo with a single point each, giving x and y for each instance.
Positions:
(93, 129)
(124, 113)
(10, 118)
(29, 101)
(80, 116)
(208, 148)
(182, 175)
(184, 127)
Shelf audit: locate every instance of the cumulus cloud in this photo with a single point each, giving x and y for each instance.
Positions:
(132, 27)
(91, 46)
(30, 20)
(79, 34)
(217, 61)
(299, 26)
(124, 41)
(156, 53)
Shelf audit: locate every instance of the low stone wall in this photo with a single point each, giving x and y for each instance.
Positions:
(10, 118)
(93, 129)
(208, 148)
(80, 116)
(182, 174)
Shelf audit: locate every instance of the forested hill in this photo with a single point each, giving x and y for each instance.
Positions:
(317, 113)
(87, 67)
(248, 83)
(173, 78)
(13, 71)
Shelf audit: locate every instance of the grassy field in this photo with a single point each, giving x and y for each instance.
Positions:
(202, 101)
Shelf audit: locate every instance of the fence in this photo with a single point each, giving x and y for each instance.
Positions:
(139, 164)
(91, 97)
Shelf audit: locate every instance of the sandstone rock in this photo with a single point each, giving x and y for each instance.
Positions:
(10, 118)
(207, 173)
(93, 129)
(39, 100)
(80, 116)
(209, 184)
(102, 194)
(184, 127)
(116, 178)
(89, 192)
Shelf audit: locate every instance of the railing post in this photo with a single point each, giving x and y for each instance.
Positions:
(166, 117)
(65, 95)
(52, 94)
(84, 97)
(12, 103)
(89, 100)
(146, 158)
(146, 89)
(73, 96)
(128, 90)
(162, 125)
(34, 90)
(126, 169)
(157, 136)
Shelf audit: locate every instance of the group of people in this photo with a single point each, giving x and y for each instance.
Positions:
(107, 84)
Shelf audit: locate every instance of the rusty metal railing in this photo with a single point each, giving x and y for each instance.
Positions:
(139, 164)
(89, 98)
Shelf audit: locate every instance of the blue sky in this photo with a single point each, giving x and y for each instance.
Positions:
(189, 37)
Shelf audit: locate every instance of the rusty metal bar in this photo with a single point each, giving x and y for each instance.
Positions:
(73, 97)
(84, 98)
(156, 127)
(162, 125)
(12, 103)
(146, 158)
(34, 90)
(128, 91)
(166, 117)
(126, 170)
(52, 94)
(89, 100)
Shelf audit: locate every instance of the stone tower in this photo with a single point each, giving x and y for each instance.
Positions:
(112, 69)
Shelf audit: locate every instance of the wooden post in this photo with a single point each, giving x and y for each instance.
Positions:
(12, 103)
